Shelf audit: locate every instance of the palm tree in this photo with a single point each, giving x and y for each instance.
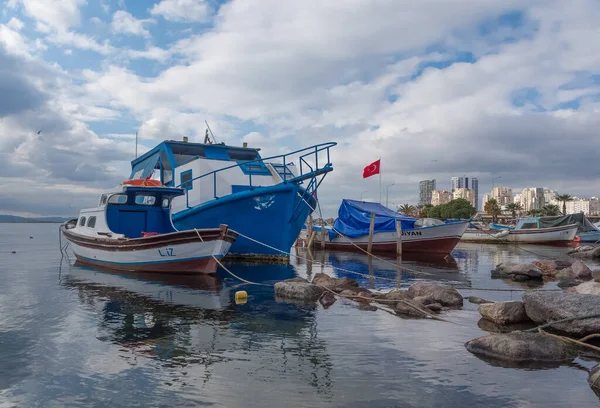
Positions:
(564, 198)
(550, 210)
(422, 211)
(407, 209)
(514, 208)
(534, 213)
(492, 208)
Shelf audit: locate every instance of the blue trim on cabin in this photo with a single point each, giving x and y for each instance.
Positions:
(188, 184)
(151, 262)
(250, 168)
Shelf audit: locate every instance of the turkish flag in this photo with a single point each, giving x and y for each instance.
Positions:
(372, 169)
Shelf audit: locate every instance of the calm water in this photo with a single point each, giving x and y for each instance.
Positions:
(75, 337)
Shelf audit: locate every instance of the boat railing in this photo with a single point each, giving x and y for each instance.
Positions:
(317, 153)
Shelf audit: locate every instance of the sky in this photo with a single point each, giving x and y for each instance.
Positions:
(505, 91)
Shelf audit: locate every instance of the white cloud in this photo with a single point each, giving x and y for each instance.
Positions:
(59, 15)
(182, 10)
(15, 24)
(152, 53)
(125, 23)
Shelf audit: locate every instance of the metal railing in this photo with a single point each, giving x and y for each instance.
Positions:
(304, 156)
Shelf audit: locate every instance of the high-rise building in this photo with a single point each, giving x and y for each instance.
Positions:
(453, 184)
(426, 187)
(539, 198)
(439, 197)
(485, 199)
(587, 206)
(465, 193)
(475, 188)
(503, 195)
(550, 197)
(466, 182)
(532, 198)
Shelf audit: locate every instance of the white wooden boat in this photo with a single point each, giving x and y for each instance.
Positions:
(527, 231)
(131, 230)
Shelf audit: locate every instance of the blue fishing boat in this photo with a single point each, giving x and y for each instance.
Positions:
(265, 200)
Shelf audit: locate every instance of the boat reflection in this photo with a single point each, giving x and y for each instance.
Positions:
(194, 322)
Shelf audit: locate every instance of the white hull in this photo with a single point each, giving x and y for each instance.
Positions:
(553, 235)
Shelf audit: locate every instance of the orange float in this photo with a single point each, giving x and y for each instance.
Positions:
(143, 183)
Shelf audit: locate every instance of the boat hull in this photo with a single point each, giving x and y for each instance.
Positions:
(271, 216)
(562, 235)
(178, 252)
(592, 236)
(438, 239)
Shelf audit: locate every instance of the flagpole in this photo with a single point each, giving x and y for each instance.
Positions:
(379, 180)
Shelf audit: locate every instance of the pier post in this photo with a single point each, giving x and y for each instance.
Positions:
(398, 237)
(371, 231)
(309, 231)
(323, 235)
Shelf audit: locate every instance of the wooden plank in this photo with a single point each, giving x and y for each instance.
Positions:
(398, 237)
(371, 231)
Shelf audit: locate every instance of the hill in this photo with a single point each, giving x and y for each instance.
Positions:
(15, 218)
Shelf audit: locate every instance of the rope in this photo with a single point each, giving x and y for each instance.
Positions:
(570, 319)
(569, 340)
(227, 270)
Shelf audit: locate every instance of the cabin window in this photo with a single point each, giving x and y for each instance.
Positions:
(166, 202)
(82, 222)
(529, 225)
(142, 199)
(103, 200)
(118, 199)
(186, 180)
(91, 222)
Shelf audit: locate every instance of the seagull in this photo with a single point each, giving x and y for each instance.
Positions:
(39, 131)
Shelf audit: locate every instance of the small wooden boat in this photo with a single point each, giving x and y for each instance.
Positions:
(351, 231)
(131, 230)
(528, 231)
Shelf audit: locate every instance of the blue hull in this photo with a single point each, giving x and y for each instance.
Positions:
(591, 236)
(271, 215)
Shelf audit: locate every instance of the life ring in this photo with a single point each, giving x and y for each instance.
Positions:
(143, 183)
(577, 238)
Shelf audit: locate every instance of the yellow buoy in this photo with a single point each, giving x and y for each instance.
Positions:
(241, 297)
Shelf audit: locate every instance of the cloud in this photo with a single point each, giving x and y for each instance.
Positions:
(182, 10)
(53, 15)
(15, 24)
(151, 53)
(125, 23)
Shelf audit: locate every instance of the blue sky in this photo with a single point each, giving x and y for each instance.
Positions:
(435, 88)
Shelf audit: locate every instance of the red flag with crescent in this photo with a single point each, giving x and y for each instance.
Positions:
(372, 169)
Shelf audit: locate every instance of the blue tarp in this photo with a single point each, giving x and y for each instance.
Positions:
(354, 218)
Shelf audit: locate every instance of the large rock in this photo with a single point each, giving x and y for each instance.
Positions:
(335, 284)
(477, 300)
(587, 288)
(581, 270)
(298, 290)
(544, 307)
(444, 295)
(395, 294)
(517, 271)
(596, 275)
(410, 309)
(327, 299)
(551, 268)
(504, 312)
(594, 379)
(587, 251)
(522, 347)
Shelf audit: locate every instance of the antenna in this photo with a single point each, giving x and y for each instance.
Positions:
(211, 133)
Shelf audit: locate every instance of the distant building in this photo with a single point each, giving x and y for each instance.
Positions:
(503, 195)
(539, 198)
(454, 184)
(475, 188)
(587, 206)
(426, 187)
(465, 193)
(532, 198)
(485, 199)
(439, 197)
(550, 197)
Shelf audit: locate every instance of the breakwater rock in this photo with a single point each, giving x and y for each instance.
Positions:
(504, 312)
(427, 293)
(594, 379)
(522, 347)
(545, 307)
(552, 267)
(297, 289)
(517, 272)
(587, 288)
(585, 251)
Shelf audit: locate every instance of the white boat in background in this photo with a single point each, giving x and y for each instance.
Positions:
(131, 230)
(527, 231)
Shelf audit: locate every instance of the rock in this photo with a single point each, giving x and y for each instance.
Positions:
(406, 310)
(444, 295)
(367, 307)
(327, 299)
(581, 270)
(423, 300)
(298, 290)
(349, 293)
(297, 279)
(566, 273)
(587, 251)
(579, 249)
(434, 307)
(522, 347)
(504, 312)
(544, 307)
(569, 283)
(517, 272)
(396, 294)
(335, 284)
(551, 268)
(587, 288)
(477, 300)
(489, 326)
(596, 275)
(594, 379)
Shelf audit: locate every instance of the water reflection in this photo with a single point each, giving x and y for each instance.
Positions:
(192, 320)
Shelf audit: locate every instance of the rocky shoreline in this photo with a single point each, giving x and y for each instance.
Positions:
(547, 328)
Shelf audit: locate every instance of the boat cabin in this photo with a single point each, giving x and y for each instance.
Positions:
(528, 223)
(129, 212)
(208, 171)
